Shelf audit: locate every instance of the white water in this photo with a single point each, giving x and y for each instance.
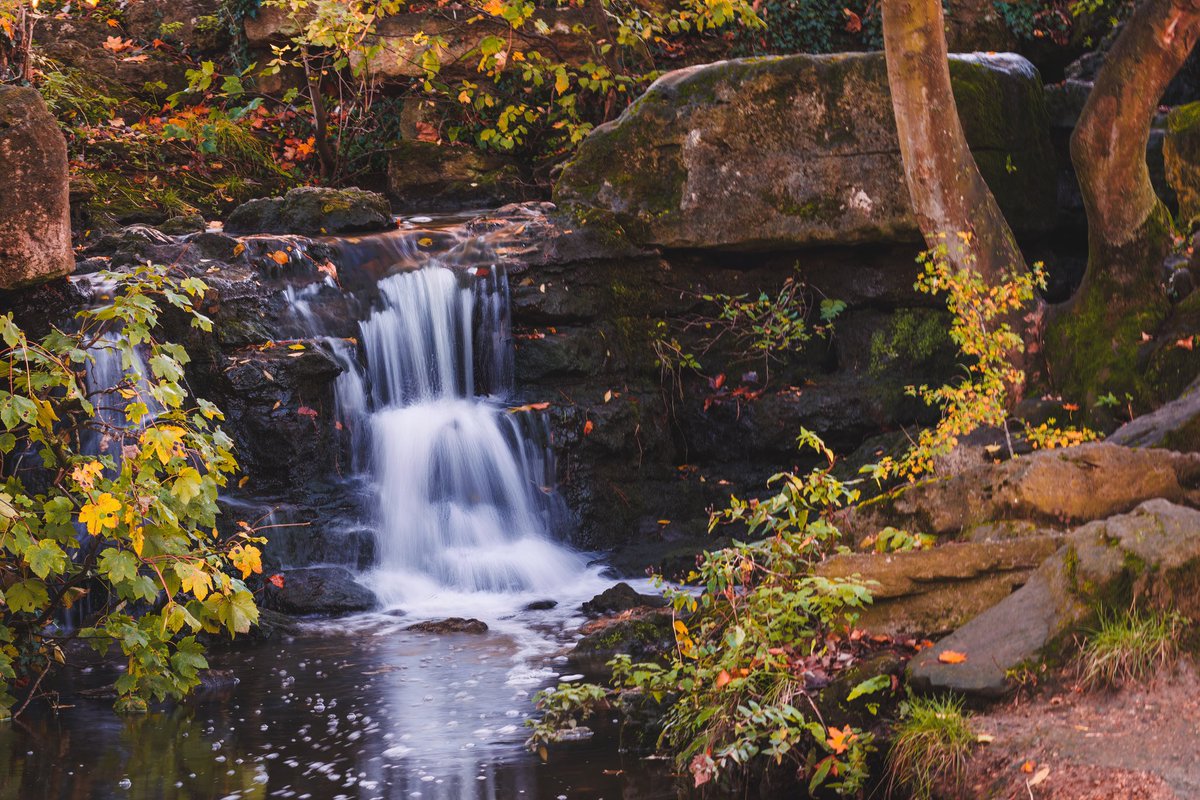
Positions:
(465, 496)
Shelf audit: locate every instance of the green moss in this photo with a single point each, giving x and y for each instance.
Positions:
(1096, 345)
(914, 337)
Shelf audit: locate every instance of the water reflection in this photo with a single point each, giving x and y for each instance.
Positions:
(375, 713)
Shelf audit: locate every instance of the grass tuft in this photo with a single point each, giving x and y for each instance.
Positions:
(1130, 647)
(930, 745)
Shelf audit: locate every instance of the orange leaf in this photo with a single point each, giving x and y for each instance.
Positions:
(839, 740)
(276, 581)
(853, 21)
(1028, 766)
(951, 657)
(279, 257)
(722, 680)
(588, 427)
(426, 132)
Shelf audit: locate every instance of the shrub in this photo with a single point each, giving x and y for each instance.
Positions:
(109, 494)
(735, 686)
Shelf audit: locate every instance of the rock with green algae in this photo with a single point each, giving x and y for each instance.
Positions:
(1150, 556)
(313, 210)
(799, 150)
(1181, 152)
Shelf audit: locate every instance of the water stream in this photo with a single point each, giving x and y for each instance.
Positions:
(467, 523)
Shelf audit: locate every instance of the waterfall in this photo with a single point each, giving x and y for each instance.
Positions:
(465, 491)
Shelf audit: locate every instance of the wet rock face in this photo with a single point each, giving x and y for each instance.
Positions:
(800, 151)
(313, 211)
(35, 227)
(426, 176)
(320, 590)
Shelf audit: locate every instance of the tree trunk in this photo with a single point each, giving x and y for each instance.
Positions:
(1093, 342)
(952, 203)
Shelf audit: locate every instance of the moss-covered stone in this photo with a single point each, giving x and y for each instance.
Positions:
(1181, 151)
(313, 210)
(799, 150)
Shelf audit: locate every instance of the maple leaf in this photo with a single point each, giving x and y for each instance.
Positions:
(100, 514)
(951, 657)
(247, 558)
(839, 740)
(115, 44)
(85, 474)
(276, 580)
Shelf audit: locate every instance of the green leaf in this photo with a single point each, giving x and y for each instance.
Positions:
(869, 686)
(29, 595)
(45, 558)
(118, 565)
(236, 611)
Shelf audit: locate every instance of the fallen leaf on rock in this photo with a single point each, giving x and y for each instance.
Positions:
(1028, 766)
(951, 657)
(1041, 775)
(279, 257)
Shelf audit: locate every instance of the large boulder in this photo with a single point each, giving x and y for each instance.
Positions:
(1181, 152)
(313, 211)
(1149, 556)
(35, 213)
(1175, 425)
(800, 150)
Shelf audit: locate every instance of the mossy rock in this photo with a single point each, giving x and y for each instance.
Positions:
(799, 150)
(313, 210)
(1149, 557)
(1181, 151)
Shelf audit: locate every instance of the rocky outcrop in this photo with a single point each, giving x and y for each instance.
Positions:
(932, 592)
(320, 590)
(1049, 487)
(35, 214)
(1181, 152)
(1150, 556)
(799, 151)
(313, 211)
(426, 176)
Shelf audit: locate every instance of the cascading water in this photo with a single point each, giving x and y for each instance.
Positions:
(464, 499)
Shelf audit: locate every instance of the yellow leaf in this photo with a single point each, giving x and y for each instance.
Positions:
(194, 579)
(238, 249)
(85, 474)
(425, 241)
(247, 558)
(100, 514)
(137, 538)
(279, 257)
